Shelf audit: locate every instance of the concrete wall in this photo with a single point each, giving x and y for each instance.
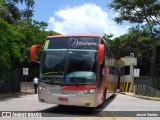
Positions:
(127, 81)
(129, 61)
(27, 87)
(127, 78)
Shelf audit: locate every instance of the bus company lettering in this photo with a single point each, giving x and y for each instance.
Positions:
(76, 43)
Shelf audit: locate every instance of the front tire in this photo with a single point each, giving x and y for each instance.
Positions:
(103, 100)
(114, 94)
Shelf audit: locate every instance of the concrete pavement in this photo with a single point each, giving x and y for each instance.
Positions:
(125, 93)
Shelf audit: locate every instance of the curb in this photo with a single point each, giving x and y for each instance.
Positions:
(147, 98)
(8, 95)
(140, 96)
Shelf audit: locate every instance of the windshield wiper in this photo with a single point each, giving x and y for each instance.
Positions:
(68, 65)
(75, 81)
(74, 77)
(51, 82)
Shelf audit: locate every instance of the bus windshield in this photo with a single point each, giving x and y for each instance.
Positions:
(69, 67)
(81, 67)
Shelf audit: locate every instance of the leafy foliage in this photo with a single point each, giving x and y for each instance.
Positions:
(11, 13)
(141, 12)
(9, 45)
(136, 11)
(138, 42)
(18, 32)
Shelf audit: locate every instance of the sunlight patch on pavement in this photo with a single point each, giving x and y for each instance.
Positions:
(107, 118)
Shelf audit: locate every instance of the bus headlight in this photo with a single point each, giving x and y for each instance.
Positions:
(44, 89)
(89, 91)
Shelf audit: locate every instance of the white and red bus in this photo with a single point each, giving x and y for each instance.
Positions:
(76, 70)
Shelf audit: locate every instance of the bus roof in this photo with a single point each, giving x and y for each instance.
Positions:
(71, 35)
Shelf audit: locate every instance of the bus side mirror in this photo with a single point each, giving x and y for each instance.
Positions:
(100, 53)
(33, 51)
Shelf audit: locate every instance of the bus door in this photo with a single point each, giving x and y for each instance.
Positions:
(100, 78)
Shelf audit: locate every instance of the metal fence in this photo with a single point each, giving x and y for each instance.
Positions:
(10, 81)
(5, 81)
(147, 86)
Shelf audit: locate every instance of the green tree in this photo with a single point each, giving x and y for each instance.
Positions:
(107, 38)
(136, 11)
(33, 33)
(139, 11)
(11, 13)
(9, 46)
(18, 32)
(137, 42)
(27, 13)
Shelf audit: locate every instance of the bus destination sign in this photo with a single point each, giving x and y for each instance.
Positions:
(78, 42)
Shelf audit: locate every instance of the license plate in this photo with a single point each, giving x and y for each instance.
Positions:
(63, 99)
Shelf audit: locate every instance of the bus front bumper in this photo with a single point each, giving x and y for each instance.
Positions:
(86, 100)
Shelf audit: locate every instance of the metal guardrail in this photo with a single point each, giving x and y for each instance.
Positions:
(5, 82)
(146, 90)
(10, 81)
(147, 86)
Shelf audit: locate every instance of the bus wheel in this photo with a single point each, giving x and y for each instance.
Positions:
(114, 94)
(103, 99)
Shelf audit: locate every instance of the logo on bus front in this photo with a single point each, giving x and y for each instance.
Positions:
(68, 79)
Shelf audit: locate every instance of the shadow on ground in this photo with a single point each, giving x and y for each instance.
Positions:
(70, 111)
(8, 96)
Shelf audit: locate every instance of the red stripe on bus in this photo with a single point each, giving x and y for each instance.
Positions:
(85, 87)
